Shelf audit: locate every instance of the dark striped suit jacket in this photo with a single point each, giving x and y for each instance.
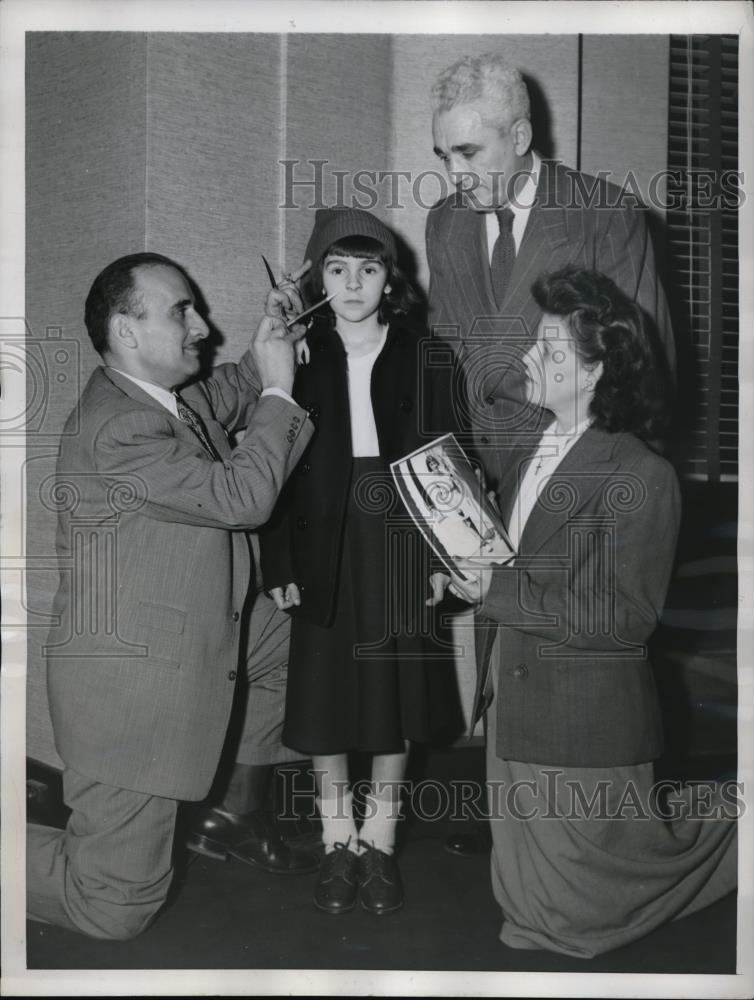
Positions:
(576, 219)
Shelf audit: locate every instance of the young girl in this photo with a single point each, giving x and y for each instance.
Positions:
(348, 563)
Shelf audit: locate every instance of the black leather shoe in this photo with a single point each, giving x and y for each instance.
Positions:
(476, 839)
(252, 838)
(380, 882)
(338, 883)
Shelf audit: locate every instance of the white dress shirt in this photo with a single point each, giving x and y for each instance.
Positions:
(166, 397)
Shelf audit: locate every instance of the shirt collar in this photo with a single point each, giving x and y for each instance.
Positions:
(555, 446)
(163, 396)
(526, 196)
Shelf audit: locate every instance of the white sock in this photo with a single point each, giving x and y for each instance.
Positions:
(379, 828)
(338, 826)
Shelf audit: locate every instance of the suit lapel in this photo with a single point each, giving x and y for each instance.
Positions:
(466, 237)
(511, 484)
(546, 231)
(195, 399)
(131, 389)
(583, 471)
(195, 396)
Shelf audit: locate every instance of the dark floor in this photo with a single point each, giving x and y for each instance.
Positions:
(233, 916)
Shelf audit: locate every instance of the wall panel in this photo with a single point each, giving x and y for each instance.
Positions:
(85, 201)
(338, 91)
(213, 122)
(624, 122)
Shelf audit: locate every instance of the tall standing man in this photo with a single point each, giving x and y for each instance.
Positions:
(155, 571)
(512, 217)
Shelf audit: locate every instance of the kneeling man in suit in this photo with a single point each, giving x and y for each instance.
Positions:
(141, 673)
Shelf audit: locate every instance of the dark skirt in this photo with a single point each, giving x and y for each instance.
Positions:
(379, 674)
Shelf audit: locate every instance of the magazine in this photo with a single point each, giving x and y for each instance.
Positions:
(443, 495)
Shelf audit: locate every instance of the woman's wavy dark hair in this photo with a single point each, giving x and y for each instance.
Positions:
(631, 394)
(398, 302)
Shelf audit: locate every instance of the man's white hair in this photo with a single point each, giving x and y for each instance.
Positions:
(488, 78)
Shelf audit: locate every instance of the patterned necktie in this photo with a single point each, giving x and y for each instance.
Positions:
(188, 416)
(503, 255)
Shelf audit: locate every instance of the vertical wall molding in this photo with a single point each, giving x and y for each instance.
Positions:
(282, 263)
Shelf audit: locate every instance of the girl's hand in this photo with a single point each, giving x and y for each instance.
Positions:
(286, 597)
(438, 583)
(302, 351)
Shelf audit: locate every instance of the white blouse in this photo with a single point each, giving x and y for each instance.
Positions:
(365, 443)
(545, 460)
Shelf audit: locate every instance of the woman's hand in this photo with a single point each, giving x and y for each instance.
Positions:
(475, 587)
(438, 583)
(286, 597)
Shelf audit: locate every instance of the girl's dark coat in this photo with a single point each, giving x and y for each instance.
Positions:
(411, 399)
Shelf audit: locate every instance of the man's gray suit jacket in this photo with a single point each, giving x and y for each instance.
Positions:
(155, 570)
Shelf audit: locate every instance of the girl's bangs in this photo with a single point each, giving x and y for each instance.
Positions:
(357, 246)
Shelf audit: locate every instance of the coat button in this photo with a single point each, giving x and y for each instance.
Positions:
(302, 523)
(519, 672)
(484, 439)
(407, 404)
(490, 401)
(306, 468)
(313, 411)
(232, 675)
(235, 616)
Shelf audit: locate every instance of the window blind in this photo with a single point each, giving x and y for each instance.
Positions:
(702, 230)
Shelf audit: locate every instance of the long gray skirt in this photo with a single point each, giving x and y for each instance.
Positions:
(582, 862)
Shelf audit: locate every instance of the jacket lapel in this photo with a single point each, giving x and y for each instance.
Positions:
(580, 475)
(511, 484)
(195, 396)
(546, 232)
(195, 399)
(131, 389)
(472, 280)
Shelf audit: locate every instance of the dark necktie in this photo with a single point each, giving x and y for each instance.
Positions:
(195, 422)
(503, 255)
